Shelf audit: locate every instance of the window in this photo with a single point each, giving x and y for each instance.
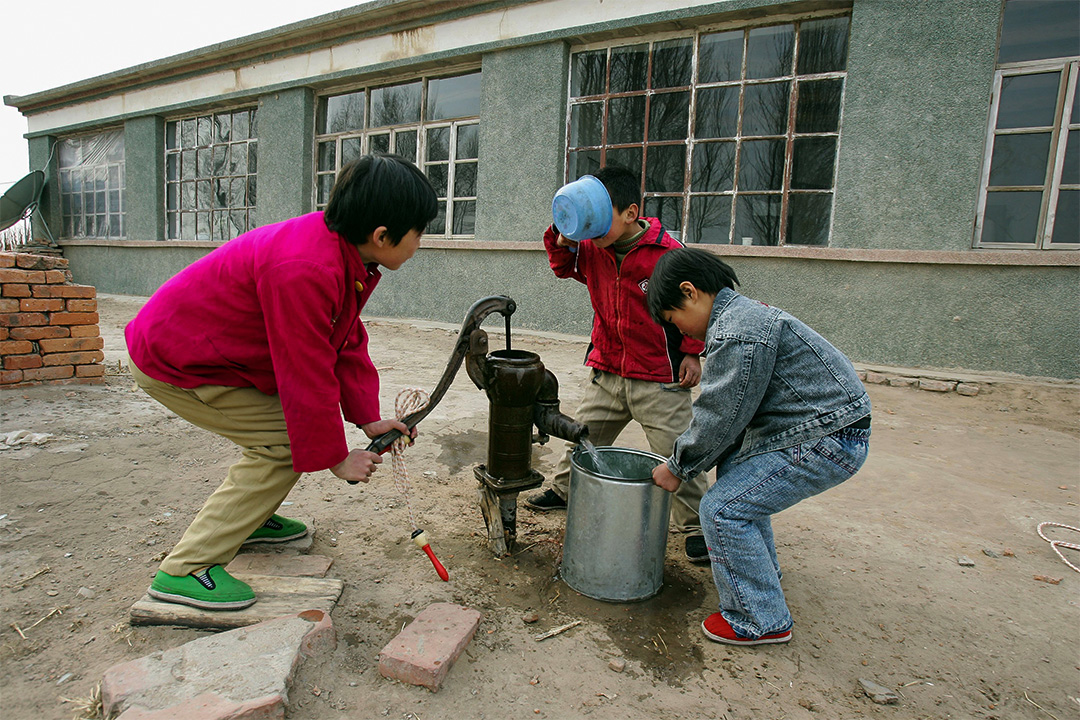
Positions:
(210, 169)
(734, 133)
(1030, 191)
(92, 185)
(432, 122)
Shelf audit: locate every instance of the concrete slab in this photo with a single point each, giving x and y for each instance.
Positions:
(424, 652)
(241, 673)
(275, 596)
(280, 565)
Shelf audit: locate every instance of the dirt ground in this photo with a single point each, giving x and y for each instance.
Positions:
(872, 569)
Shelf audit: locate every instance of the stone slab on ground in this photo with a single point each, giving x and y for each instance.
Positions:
(275, 596)
(281, 565)
(424, 652)
(299, 545)
(241, 673)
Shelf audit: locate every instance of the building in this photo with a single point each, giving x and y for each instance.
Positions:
(901, 175)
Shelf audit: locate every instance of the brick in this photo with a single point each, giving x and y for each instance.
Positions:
(7, 260)
(937, 385)
(903, 381)
(55, 276)
(4, 333)
(49, 373)
(81, 305)
(16, 347)
(67, 318)
(65, 291)
(31, 262)
(7, 377)
(23, 319)
(89, 371)
(15, 290)
(73, 358)
(40, 333)
(23, 362)
(15, 275)
(424, 652)
(71, 344)
(84, 331)
(968, 389)
(41, 304)
(9, 305)
(877, 378)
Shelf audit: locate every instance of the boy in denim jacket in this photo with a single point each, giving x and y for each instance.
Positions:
(641, 370)
(782, 416)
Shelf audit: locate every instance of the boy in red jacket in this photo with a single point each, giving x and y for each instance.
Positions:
(641, 371)
(261, 342)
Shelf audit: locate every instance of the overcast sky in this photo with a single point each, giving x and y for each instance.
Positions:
(49, 43)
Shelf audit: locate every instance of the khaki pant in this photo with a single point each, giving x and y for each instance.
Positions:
(663, 410)
(253, 488)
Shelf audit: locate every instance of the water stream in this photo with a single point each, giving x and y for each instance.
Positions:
(600, 466)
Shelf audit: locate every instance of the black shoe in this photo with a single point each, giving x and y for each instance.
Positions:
(545, 501)
(696, 550)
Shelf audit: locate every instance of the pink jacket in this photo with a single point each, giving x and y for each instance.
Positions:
(277, 309)
(625, 340)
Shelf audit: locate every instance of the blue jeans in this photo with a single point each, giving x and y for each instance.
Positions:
(735, 518)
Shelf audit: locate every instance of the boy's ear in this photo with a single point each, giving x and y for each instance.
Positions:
(631, 213)
(379, 237)
(688, 290)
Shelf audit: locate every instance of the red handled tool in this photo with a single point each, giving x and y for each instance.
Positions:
(420, 538)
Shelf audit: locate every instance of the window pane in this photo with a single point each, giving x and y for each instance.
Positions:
(628, 68)
(326, 184)
(1067, 221)
(668, 210)
(669, 116)
(468, 142)
(379, 143)
(172, 139)
(437, 175)
(405, 144)
(395, 105)
(823, 45)
(465, 217)
(584, 162)
(713, 167)
(665, 168)
(818, 107)
(765, 109)
(812, 163)
(171, 170)
(1028, 100)
(240, 125)
(761, 165)
(720, 57)
(438, 225)
(588, 73)
(1070, 173)
(1011, 217)
(808, 219)
(769, 51)
(672, 63)
(350, 149)
(629, 158)
(1037, 29)
(757, 217)
(1019, 159)
(710, 220)
(204, 131)
(454, 97)
(187, 133)
(717, 112)
(222, 128)
(238, 160)
(465, 180)
(438, 143)
(626, 120)
(586, 124)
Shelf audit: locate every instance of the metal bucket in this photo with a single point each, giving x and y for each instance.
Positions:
(616, 526)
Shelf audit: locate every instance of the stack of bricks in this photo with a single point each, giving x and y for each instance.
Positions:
(48, 325)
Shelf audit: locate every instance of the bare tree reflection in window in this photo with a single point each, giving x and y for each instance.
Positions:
(589, 73)
(823, 46)
(629, 66)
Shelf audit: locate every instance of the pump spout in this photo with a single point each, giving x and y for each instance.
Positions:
(548, 419)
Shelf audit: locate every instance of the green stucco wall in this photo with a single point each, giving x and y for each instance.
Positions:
(285, 131)
(144, 168)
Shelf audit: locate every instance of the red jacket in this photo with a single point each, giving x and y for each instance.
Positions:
(625, 340)
(277, 309)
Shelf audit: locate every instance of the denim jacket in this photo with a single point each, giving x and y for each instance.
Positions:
(768, 382)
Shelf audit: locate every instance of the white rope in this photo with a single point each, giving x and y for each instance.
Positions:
(408, 401)
(1056, 544)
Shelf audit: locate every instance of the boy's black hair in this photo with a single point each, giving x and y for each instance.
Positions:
(623, 186)
(702, 269)
(380, 191)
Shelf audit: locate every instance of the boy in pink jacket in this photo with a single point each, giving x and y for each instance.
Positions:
(261, 342)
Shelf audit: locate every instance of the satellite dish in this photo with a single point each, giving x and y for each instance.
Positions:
(21, 201)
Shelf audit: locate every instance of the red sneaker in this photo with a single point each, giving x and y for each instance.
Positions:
(718, 629)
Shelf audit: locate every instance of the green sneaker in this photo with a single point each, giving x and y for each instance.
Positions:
(210, 589)
(277, 529)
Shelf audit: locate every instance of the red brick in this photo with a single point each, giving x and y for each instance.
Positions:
(31, 262)
(41, 304)
(66, 318)
(40, 333)
(15, 290)
(9, 305)
(87, 371)
(55, 276)
(424, 652)
(24, 319)
(22, 362)
(16, 347)
(84, 330)
(7, 260)
(65, 291)
(49, 373)
(74, 358)
(4, 333)
(76, 305)
(8, 377)
(71, 344)
(15, 275)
